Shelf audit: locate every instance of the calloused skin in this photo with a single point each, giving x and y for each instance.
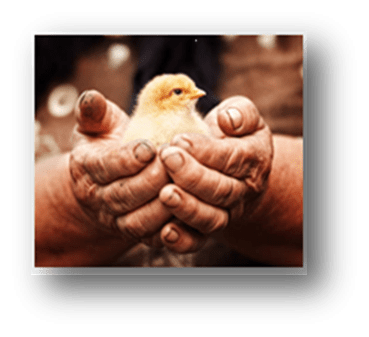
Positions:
(104, 197)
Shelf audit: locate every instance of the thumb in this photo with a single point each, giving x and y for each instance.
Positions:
(96, 115)
(238, 116)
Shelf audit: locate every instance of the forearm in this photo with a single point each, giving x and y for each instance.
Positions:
(272, 231)
(64, 234)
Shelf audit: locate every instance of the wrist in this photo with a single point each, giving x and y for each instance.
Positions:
(270, 229)
(65, 235)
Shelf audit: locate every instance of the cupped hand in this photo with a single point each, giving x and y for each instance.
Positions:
(218, 180)
(116, 184)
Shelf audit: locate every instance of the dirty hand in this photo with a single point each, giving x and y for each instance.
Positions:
(217, 180)
(116, 184)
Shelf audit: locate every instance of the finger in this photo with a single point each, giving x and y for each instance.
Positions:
(238, 116)
(235, 157)
(127, 194)
(106, 164)
(153, 241)
(96, 115)
(193, 212)
(181, 239)
(206, 184)
(143, 222)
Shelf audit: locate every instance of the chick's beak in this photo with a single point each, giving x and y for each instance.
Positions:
(197, 94)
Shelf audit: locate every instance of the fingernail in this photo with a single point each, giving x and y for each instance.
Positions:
(235, 117)
(174, 200)
(82, 97)
(92, 106)
(172, 236)
(172, 159)
(181, 142)
(162, 148)
(143, 152)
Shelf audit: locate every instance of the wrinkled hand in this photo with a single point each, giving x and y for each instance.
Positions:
(217, 180)
(116, 184)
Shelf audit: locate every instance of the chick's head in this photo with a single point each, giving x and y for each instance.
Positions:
(169, 93)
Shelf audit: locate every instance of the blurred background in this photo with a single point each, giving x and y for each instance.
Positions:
(265, 68)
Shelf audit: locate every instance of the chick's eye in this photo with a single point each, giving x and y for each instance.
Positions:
(177, 91)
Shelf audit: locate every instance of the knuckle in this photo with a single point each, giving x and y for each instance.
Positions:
(119, 198)
(234, 162)
(244, 161)
(223, 192)
(223, 221)
(190, 210)
(232, 194)
(83, 186)
(191, 179)
(155, 179)
(128, 196)
(76, 166)
(191, 182)
(131, 227)
(204, 219)
(87, 192)
(74, 169)
(218, 222)
(97, 167)
(106, 218)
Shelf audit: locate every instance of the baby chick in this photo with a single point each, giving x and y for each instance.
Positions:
(166, 107)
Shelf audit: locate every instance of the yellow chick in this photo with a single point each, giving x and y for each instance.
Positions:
(166, 107)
